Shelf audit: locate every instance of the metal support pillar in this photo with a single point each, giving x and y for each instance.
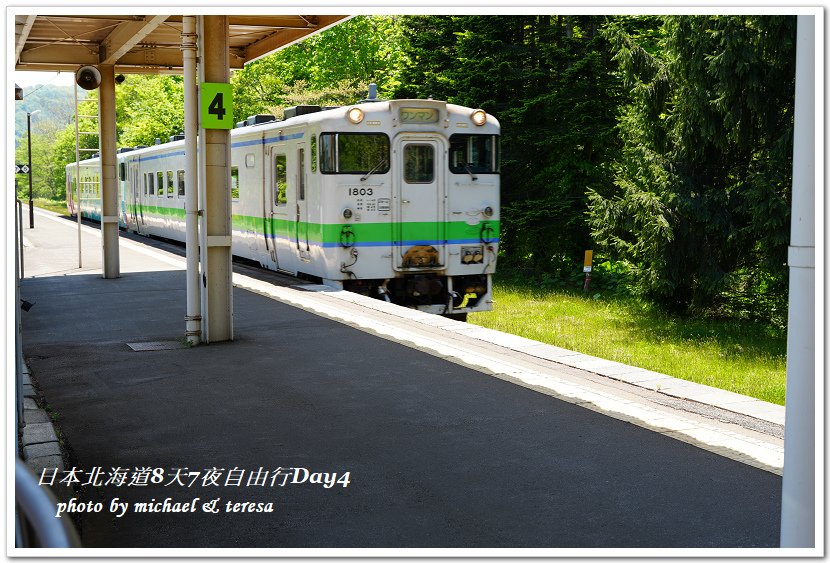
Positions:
(798, 509)
(29, 140)
(215, 181)
(109, 182)
(19, 362)
(193, 316)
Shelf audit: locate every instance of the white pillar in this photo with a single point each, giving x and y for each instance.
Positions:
(193, 318)
(109, 181)
(215, 176)
(798, 494)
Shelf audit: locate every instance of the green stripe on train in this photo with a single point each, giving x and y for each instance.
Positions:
(332, 232)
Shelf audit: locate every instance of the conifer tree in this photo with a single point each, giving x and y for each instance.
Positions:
(700, 205)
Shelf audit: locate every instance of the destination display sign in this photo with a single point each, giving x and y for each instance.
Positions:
(418, 115)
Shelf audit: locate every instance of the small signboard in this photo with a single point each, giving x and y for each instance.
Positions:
(589, 257)
(22, 169)
(216, 103)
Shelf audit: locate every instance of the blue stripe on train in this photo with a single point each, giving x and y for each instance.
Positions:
(239, 144)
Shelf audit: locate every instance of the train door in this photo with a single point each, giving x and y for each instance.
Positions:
(301, 207)
(275, 198)
(134, 194)
(419, 187)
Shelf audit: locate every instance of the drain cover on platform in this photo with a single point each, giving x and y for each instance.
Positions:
(151, 346)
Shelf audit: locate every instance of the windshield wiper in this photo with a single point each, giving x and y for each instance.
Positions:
(469, 171)
(372, 171)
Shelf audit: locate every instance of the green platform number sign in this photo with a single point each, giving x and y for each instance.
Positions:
(216, 102)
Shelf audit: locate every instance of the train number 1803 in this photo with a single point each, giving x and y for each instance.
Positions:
(360, 191)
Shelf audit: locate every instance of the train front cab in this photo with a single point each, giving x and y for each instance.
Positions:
(444, 207)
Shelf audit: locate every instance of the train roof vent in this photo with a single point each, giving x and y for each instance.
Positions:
(240, 124)
(176, 138)
(140, 147)
(294, 111)
(125, 149)
(260, 118)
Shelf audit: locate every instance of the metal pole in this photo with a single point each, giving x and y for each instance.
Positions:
(78, 177)
(18, 325)
(193, 316)
(798, 509)
(38, 506)
(20, 232)
(31, 207)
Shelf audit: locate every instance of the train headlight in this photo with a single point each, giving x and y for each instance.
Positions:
(355, 115)
(488, 211)
(479, 117)
(347, 213)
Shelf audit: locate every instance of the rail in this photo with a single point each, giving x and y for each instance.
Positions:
(35, 521)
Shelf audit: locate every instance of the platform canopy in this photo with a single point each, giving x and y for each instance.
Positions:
(148, 44)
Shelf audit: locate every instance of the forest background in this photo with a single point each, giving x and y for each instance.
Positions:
(663, 143)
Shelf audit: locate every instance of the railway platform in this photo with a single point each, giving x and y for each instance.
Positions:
(338, 421)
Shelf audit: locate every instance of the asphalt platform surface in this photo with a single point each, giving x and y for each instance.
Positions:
(438, 455)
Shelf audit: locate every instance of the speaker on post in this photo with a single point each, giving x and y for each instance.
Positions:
(88, 77)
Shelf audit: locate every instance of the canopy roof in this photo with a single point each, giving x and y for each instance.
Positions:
(146, 44)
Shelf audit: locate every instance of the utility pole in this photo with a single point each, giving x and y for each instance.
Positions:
(29, 131)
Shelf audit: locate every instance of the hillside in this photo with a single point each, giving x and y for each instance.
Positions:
(56, 105)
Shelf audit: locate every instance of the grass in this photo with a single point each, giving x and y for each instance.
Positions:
(739, 356)
(58, 206)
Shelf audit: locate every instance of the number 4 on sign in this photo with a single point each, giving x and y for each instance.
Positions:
(217, 106)
(216, 103)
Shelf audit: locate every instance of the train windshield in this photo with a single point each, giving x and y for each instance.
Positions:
(354, 153)
(477, 154)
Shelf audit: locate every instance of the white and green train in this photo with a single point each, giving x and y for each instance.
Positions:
(396, 199)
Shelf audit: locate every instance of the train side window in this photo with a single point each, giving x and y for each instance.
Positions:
(169, 183)
(418, 164)
(235, 182)
(280, 180)
(354, 153)
(160, 184)
(180, 176)
(122, 171)
(477, 154)
(328, 153)
(301, 174)
(146, 185)
(151, 183)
